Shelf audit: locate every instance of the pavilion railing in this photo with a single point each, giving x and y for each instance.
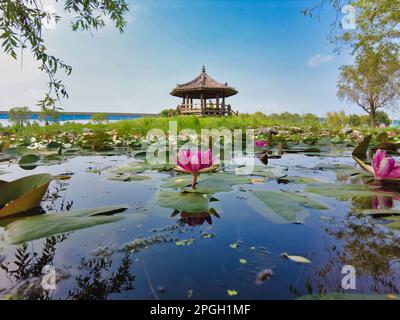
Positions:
(208, 108)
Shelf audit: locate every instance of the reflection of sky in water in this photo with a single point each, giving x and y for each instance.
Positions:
(209, 266)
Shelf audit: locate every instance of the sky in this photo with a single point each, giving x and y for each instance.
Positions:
(275, 57)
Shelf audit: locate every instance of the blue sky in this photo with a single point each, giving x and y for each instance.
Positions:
(275, 57)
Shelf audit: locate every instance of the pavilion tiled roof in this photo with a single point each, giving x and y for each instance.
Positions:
(206, 84)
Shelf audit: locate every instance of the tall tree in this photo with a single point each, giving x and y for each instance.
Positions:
(22, 25)
(19, 116)
(373, 82)
(377, 22)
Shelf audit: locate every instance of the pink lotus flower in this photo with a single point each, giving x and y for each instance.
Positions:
(392, 134)
(385, 167)
(261, 143)
(195, 162)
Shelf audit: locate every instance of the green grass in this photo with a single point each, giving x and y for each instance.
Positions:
(140, 127)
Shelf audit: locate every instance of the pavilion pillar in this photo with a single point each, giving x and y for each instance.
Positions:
(202, 103)
(223, 104)
(217, 104)
(191, 103)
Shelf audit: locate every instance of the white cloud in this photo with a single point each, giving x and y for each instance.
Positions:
(319, 59)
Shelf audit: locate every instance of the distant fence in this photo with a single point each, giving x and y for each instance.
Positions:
(71, 116)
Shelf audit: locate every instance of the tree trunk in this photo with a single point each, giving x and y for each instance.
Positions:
(373, 117)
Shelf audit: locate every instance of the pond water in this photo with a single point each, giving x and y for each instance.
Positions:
(231, 250)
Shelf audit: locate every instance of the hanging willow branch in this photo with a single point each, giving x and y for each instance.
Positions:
(22, 23)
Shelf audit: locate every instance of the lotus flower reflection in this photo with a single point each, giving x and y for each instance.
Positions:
(195, 162)
(261, 143)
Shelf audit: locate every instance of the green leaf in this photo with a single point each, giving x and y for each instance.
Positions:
(138, 167)
(287, 204)
(380, 212)
(361, 150)
(183, 201)
(37, 227)
(127, 177)
(185, 242)
(29, 161)
(231, 292)
(382, 137)
(394, 223)
(234, 245)
(207, 183)
(344, 191)
(23, 194)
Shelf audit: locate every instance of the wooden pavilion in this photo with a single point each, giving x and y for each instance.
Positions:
(205, 89)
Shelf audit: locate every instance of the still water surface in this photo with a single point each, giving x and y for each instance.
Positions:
(228, 251)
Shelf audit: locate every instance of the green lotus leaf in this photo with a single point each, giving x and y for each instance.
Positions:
(345, 191)
(285, 205)
(22, 194)
(183, 201)
(41, 226)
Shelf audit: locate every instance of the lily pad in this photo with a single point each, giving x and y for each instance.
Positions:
(207, 183)
(287, 205)
(344, 191)
(127, 177)
(394, 223)
(37, 227)
(29, 161)
(381, 212)
(361, 150)
(23, 194)
(183, 201)
(138, 167)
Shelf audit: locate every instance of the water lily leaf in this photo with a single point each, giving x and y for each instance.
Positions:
(4, 146)
(23, 194)
(29, 161)
(127, 177)
(231, 292)
(207, 183)
(138, 167)
(344, 191)
(303, 180)
(287, 205)
(361, 150)
(185, 242)
(267, 172)
(335, 167)
(183, 201)
(382, 137)
(381, 212)
(37, 227)
(389, 146)
(394, 223)
(234, 245)
(298, 259)
(350, 296)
